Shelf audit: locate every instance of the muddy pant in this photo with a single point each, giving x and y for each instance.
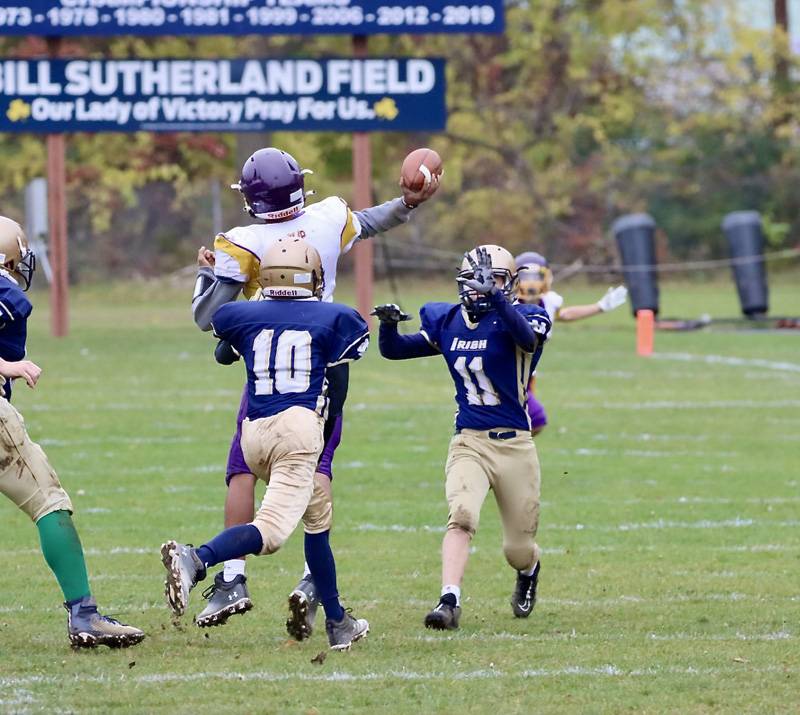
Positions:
(505, 461)
(26, 476)
(283, 450)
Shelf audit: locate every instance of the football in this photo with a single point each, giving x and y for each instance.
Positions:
(418, 168)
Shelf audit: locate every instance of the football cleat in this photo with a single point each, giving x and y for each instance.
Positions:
(524, 597)
(445, 616)
(88, 628)
(184, 570)
(225, 599)
(303, 603)
(342, 634)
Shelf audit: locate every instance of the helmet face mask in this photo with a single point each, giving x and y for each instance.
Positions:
(505, 275)
(272, 185)
(291, 268)
(26, 267)
(15, 256)
(534, 281)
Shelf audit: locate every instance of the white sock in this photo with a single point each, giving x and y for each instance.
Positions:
(306, 570)
(455, 590)
(530, 571)
(233, 568)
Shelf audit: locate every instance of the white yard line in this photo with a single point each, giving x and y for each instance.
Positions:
(647, 453)
(730, 361)
(685, 405)
(658, 524)
(608, 670)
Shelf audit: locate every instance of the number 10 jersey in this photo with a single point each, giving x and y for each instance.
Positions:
(287, 346)
(490, 371)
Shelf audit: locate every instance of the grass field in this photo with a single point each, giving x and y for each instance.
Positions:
(670, 530)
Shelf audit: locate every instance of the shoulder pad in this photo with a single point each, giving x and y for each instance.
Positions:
(433, 317)
(333, 206)
(14, 304)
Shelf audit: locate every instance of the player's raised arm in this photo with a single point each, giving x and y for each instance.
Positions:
(613, 299)
(394, 346)
(419, 180)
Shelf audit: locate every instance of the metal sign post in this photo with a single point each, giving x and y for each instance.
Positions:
(57, 219)
(362, 179)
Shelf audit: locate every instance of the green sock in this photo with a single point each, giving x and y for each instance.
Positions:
(61, 547)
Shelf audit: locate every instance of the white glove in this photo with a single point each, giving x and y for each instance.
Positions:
(613, 298)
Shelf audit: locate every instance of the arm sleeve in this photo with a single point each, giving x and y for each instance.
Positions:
(394, 346)
(210, 294)
(383, 217)
(524, 334)
(221, 322)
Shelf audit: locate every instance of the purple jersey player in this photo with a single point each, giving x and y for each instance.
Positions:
(272, 184)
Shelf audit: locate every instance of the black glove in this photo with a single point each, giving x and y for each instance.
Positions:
(482, 280)
(389, 313)
(225, 354)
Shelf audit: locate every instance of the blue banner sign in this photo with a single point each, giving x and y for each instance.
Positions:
(222, 95)
(240, 17)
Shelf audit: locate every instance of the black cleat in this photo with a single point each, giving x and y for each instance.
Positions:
(88, 628)
(524, 597)
(445, 616)
(225, 599)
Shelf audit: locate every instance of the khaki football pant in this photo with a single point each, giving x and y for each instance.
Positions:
(283, 451)
(26, 476)
(510, 468)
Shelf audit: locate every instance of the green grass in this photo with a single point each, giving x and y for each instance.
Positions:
(669, 526)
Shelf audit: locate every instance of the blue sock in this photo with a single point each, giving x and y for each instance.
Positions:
(319, 558)
(232, 543)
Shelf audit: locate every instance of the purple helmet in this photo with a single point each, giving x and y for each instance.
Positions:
(531, 258)
(273, 184)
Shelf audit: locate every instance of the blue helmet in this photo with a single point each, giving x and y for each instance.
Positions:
(273, 185)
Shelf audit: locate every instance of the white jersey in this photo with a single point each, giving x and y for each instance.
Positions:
(329, 225)
(551, 302)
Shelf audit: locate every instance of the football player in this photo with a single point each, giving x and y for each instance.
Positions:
(491, 346)
(273, 187)
(26, 476)
(536, 288)
(288, 341)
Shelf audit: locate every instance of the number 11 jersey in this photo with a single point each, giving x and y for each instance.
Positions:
(287, 346)
(490, 371)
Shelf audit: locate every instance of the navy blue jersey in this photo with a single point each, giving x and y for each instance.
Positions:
(287, 346)
(14, 311)
(490, 371)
